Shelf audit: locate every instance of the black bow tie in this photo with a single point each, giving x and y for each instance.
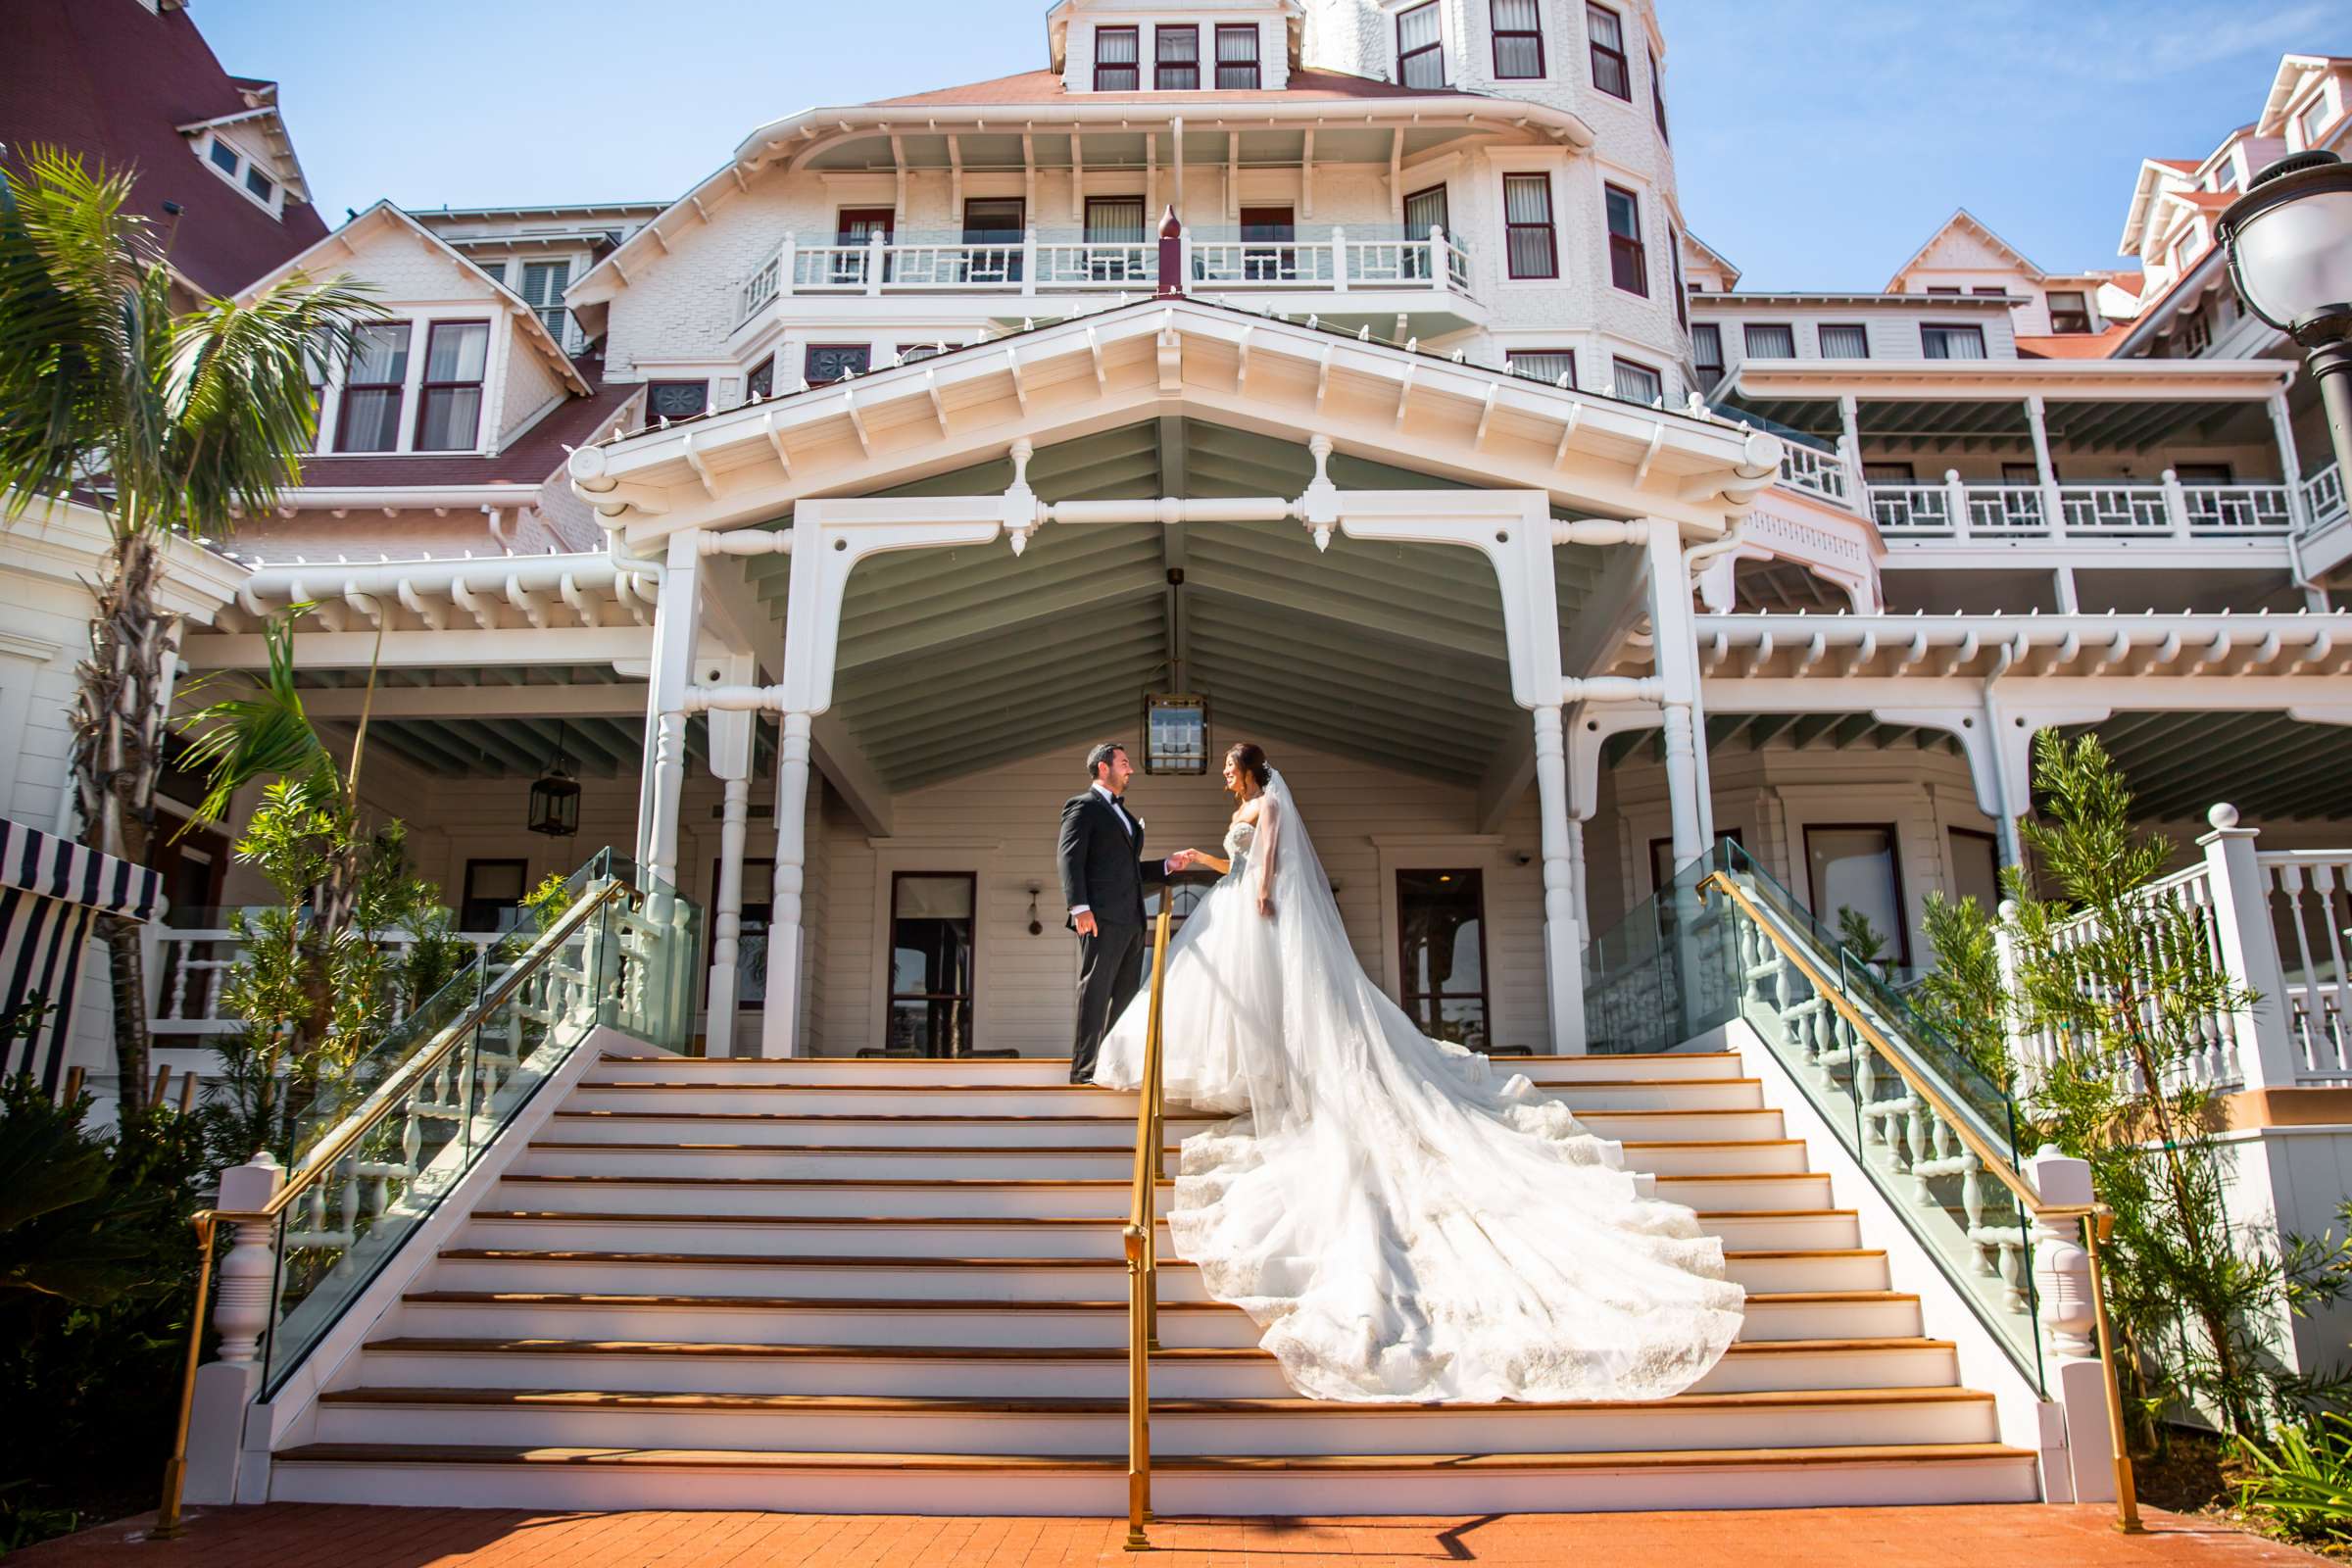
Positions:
(1119, 800)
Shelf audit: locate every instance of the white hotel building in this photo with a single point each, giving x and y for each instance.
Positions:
(823, 515)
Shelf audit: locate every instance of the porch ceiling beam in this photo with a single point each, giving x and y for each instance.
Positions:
(410, 750)
(2320, 798)
(2264, 755)
(1391, 626)
(489, 701)
(1766, 727)
(1464, 672)
(1592, 639)
(1423, 722)
(1091, 701)
(429, 650)
(836, 754)
(1448, 577)
(919, 678)
(486, 737)
(1318, 729)
(591, 745)
(921, 708)
(1035, 609)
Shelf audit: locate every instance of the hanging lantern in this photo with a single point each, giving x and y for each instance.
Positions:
(1175, 734)
(556, 798)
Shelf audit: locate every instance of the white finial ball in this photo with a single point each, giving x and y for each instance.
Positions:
(2223, 815)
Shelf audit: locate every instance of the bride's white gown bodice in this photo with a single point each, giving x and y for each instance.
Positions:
(1403, 1222)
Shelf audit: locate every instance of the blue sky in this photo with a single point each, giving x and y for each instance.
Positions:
(1819, 141)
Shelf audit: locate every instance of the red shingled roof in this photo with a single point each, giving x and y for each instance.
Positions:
(2071, 345)
(1045, 86)
(113, 82)
(537, 452)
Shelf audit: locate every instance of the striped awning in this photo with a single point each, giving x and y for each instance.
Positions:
(52, 892)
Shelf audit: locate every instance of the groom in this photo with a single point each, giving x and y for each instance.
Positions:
(1102, 879)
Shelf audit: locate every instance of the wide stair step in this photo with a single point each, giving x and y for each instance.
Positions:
(862, 1285)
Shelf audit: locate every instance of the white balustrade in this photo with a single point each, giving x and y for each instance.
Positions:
(2309, 896)
(2235, 511)
(1263, 264)
(194, 964)
(2006, 509)
(1912, 510)
(2324, 498)
(1809, 469)
(2099, 509)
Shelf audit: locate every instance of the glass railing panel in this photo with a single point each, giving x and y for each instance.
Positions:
(1862, 1056)
(606, 952)
(1660, 978)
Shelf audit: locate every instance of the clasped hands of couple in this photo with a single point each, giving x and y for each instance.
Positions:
(1184, 860)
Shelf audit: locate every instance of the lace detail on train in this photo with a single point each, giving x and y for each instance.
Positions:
(1402, 1221)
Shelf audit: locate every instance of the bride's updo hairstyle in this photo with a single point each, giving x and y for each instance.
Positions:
(1250, 758)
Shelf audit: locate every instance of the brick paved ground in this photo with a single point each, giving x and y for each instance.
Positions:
(296, 1536)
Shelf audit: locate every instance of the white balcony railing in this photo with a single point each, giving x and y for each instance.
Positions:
(2324, 498)
(187, 967)
(1818, 472)
(2005, 509)
(1912, 510)
(1032, 266)
(1960, 508)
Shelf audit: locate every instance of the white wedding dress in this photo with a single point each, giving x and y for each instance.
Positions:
(1403, 1222)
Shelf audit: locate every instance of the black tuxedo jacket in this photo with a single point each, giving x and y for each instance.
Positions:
(1101, 863)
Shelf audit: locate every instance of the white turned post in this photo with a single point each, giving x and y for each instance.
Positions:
(779, 1024)
(2290, 466)
(2175, 503)
(677, 619)
(2044, 471)
(1849, 441)
(1955, 498)
(1339, 259)
(1563, 840)
(726, 911)
(2080, 1466)
(241, 1301)
(1675, 655)
(2241, 920)
(1029, 259)
(1441, 275)
(877, 255)
(786, 262)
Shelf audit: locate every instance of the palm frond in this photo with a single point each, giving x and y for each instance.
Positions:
(260, 732)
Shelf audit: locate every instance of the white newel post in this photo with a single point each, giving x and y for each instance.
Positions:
(1673, 646)
(226, 1386)
(675, 619)
(780, 1017)
(787, 263)
(2241, 918)
(2077, 1446)
(2290, 466)
(1956, 501)
(731, 760)
(1563, 927)
(877, 259)
(2175, 503)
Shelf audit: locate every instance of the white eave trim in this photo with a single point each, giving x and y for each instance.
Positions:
(1978, 379)
(506, 493)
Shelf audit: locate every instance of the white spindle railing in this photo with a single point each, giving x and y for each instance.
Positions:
(943, 267)
(192, 964)
(2095, 509)
(1912, 510)
(1261, 264)
(1809, 469)
(2324, 497)
(2234, 510)
(2006, 509)
(1098, 264)
(759, 288)
(2309, 896)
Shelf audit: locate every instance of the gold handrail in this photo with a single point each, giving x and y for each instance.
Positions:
(2095, 1218)
(1142, 1242)
(371, 1112)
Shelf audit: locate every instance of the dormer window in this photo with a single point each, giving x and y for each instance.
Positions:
(1237, 56)
(258, 184)
(1420, 50)
(2312, 119)
(225, 157)
(1177, 56)
(2070, 311)
(1118, 60)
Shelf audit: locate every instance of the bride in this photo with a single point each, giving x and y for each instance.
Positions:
(1402, 1225)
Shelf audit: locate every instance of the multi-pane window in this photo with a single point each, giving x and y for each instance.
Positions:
(1609, 70)
(224, 156)
(931, 964)
(260, 185)
(543, 285)
(1657, 96)
(830, 362)
(1420, 52)
(2070, 311)
(2313, 119)
(1425, 209)
(1118, 60)
(1518, 39)
(1177, 52)
(1556, 366)
(1682, 295)
(676, 400)
(762, 382)
(1706, 351)
(1845, 342)
(1857, 885)
(372, 388)
(1236, 54)
(449, 417)
(1771, 341)
(1952, 342)
(1937, 288)
(1441, 926)
(1639, 384)
(1629, 264)
(1988, 290)
(1529, 245)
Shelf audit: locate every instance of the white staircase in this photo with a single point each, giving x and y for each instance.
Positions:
(853, 1284)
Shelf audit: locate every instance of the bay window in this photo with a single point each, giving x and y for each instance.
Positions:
(1518, 40)
(1609, 72)
(1529, 245)
(371, 388)
(1420, 51)
(1118, 60)
(1639, 384)
(2070, 311)
(1629, 264)
(1236, 54)
(1177, 51)
(449, 418)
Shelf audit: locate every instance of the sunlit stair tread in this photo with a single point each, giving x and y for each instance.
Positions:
(960, 1062)
(721, 1350)
(990, 1404)
(393, 1453)
(938, 1305)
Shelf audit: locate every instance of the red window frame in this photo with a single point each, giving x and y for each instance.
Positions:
(427, 389)
(1549, 229)
(1617, 368)
(1629, 258)
(1682, 295)
(398, 389)
(1607, 58)
(1436, 47)
(1162, 66)
(1706, 366)
(812, 351)
(1134, 67)
(1516, 357)
(1658, 97)
(1500, 32)
(1237, 65)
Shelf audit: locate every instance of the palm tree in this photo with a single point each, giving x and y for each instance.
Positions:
(169, 424)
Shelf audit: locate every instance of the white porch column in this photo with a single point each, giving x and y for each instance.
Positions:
(2053, 514)
(2290, 466)
(1563, 843)
(1674, 647)
(731, 760)
(780, 1017)
(2242, 922)
(677, 619)
(1850, 422)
